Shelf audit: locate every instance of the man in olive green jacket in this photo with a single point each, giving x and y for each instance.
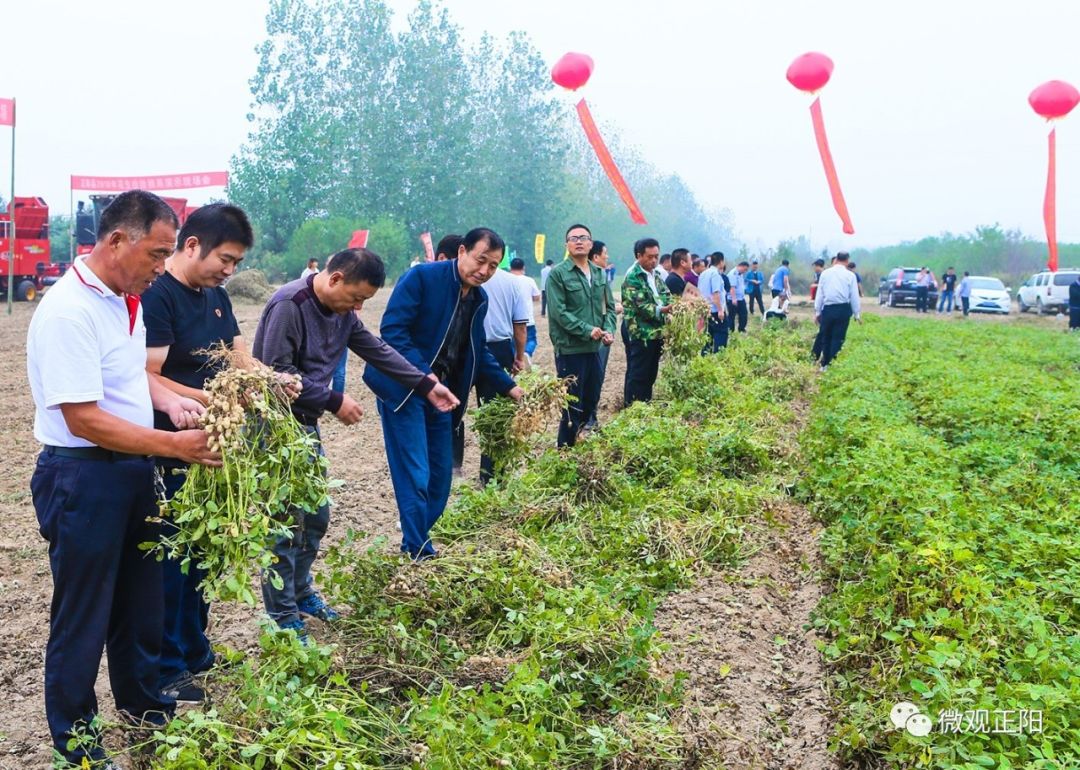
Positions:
(581, 318)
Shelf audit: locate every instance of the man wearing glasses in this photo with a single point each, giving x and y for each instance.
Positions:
(581, 318)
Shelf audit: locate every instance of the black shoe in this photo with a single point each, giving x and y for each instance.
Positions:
(184, 690)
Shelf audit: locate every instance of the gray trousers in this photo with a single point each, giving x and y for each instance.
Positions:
(295, 557)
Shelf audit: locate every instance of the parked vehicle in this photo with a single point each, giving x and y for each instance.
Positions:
(1047, 292)
(33, 268)
(893, 294)
(989, 295)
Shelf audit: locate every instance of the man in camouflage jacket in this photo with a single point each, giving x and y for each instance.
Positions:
(646, 302)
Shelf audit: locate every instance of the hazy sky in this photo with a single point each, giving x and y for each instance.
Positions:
(927, 109)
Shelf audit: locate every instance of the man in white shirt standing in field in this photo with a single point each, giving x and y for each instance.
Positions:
(836, 302)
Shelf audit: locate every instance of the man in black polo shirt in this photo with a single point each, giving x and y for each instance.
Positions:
(185, 311)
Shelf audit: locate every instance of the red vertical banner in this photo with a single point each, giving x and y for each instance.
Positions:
(1050, 202)
(608, 163)
(359, 239)
(830, 168)
(429, 249)
(7, 112)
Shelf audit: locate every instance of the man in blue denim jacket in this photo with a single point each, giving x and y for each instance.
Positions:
(435, 319)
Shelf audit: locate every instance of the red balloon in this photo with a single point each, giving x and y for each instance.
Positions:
(810, 72)
(572, 70)
(1054, 99)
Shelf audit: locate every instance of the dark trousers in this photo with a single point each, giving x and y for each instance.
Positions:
(819, 339)
(642, 366)
(1074, 318)
(965, 302)
(184, 646)
(418, 449)
(106, 592)
(503, 350)
(753, 296)
(585, 369)
(729, 319)
(922, 299)
(543, 303)
(776, 292)
(741, 314)
(718, 333)
(295, 557)
(834, 326)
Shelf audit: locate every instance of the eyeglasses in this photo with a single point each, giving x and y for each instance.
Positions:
(579, 239)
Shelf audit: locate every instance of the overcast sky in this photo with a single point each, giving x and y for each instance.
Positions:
(927, 109)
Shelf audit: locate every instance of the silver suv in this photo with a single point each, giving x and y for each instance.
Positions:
(1047, 292)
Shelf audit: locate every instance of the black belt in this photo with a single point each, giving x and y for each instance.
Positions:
(91, 453)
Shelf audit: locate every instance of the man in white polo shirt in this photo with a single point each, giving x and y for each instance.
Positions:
(835, 303)
(93, 487)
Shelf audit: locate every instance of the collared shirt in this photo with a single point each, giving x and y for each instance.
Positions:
(506, 306)
(923, 279)
(837, 286)
(965, 287)
(86, 344)
(738, 281)
(576, 305)
(712, 281)
(754, 275)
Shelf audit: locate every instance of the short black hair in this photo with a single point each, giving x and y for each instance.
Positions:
(679, 257)
(550, 263)
(716, 258)
(842, 256)
(785, 262)
(680, 250)
(644, 243)
(852, 265)
(448, 245)
(485, 234)
(135, 211)
(744, 263)
(357, 265)
(312, 259)
(665, 257)
(215, 224)
(819, 263)
(574, 227)
(517, 263)
(596, 250)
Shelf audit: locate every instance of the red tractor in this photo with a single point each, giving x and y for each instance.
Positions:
(88, 217)
(34, 270)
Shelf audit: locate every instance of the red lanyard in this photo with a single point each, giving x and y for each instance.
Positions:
(130, 300)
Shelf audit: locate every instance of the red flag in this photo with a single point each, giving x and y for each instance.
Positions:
(830, 169)
(359, 239)
(608, 163)
(7, 112)
(1050, 204)
(164, 182)
(429, 250)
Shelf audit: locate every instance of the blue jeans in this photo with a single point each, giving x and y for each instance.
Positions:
(338, 383)
(184, 646)
(530, 340)
(419, 451)
(945, 295)
(106, 592)
(295, 557)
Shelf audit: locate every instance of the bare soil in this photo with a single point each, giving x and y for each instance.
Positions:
(767, 711)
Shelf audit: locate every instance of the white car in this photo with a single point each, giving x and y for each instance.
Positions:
(1047, 292)
(988, 295)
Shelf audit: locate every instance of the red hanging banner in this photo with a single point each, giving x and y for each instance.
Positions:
(1050, 203)
(359, 239)
(830, 168)
(7, 112)
(169, 182)
(608, 163)
(429, 249)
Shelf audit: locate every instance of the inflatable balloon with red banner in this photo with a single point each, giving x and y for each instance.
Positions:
(572, 72)
(809, 73)
(1052, 100)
